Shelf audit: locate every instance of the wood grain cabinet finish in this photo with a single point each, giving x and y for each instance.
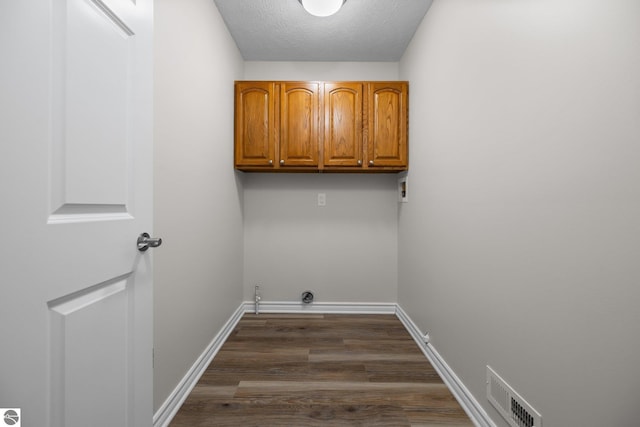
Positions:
(321, 126)
(387, 136)
(255, 124)
(343, 142)
(299, 124)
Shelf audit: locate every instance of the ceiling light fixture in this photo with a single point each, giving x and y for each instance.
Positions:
(322, 7)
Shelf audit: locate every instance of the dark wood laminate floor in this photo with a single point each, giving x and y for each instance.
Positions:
(320, 370)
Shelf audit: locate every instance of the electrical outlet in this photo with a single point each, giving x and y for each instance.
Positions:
(322, 199)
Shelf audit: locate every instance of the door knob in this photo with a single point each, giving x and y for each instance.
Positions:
(145, 242)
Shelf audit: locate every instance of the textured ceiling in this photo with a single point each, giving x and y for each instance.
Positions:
(363, 30)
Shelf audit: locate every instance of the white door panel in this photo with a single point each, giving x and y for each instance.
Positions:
(93, 71)
(75, 192)
(74, 321)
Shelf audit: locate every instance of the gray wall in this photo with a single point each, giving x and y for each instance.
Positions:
(336, 71)
(345, 251)
(198, 197)
(519, 247)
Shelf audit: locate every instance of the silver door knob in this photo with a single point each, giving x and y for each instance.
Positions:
(145, 242)
(370, 162)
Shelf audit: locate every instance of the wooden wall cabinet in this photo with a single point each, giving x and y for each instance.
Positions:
(255, 124)
(299, 125)
(387, 125)
(321, 126)
(343, 141)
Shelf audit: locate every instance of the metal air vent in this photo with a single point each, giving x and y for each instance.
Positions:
(509, 403)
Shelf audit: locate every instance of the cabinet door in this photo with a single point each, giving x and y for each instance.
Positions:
(343, 124)
(387, 124)
(299, 124)
(255, 132)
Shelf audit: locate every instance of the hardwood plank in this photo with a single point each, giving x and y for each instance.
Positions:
(257, 343)
(408, 371)
(274, 371)
(207, 392)
(320, 370)
(239, 414)
(392, 344)
(346, 392)
(364, 357)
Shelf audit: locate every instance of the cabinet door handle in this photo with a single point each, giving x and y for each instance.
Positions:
(370, 162)
(359, 162)
(282, 162)
(271, 161)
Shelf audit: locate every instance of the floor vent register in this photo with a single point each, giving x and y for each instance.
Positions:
(509, 403)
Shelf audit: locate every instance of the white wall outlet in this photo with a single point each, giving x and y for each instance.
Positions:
(426, 338)
(322, 199)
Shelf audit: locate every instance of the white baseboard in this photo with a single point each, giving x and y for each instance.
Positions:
(321, 307)
(170, 407)
(464, 397)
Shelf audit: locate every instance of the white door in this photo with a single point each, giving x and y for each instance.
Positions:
(75, 192)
